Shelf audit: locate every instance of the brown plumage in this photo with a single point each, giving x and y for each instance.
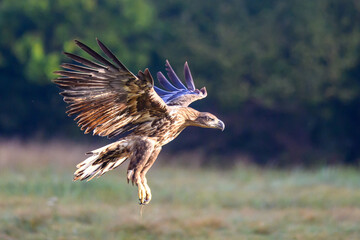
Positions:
(108, 100)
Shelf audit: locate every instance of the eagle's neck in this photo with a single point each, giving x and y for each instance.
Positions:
(190, 115)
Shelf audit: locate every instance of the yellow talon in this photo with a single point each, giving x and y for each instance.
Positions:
(148, 192)
(142, 193)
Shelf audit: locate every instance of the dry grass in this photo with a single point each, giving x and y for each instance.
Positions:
(38, 200)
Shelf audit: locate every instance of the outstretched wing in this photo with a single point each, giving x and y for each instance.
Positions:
(107, 98)
(176, 93)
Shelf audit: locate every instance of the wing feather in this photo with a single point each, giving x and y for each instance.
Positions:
(107, 99)
(173, 77)
(181, 96)
(84, 61)
(165, 83)
(96, 55)
(74, 67)
(188, 78)
(111, 55)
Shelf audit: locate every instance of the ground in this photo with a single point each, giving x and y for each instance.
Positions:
(38, 200)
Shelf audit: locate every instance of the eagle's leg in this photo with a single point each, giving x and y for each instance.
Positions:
(148, 165)
(142, 150)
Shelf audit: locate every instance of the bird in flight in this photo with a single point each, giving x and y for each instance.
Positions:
(107, 99)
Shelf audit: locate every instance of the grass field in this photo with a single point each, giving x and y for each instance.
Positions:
(38, 200)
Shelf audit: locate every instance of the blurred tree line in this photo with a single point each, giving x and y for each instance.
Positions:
(283, 75)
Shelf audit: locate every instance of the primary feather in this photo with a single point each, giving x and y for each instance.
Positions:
(179, 95)
(107, 98)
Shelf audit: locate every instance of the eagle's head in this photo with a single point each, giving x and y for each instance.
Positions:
(208, 120)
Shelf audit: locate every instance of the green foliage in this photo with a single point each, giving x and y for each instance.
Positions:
(35, 32)
(285, 71)
(279, 53)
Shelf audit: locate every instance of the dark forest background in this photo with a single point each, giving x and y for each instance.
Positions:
(283, 75)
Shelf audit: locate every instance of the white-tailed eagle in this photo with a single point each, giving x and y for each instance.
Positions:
(107, 99)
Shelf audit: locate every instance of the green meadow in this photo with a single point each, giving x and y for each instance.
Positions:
(39, 200)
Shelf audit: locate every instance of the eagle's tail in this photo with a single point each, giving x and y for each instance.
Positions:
(102, 160)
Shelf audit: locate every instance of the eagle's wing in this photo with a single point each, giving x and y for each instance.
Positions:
(176, 93)
(107, 98)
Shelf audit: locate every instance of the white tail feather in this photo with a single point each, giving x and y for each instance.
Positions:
(102, 160)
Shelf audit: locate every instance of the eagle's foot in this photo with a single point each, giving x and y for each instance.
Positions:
(142, 194)
(143, 188)
(133, 175)
(148, 191)
(129, 176)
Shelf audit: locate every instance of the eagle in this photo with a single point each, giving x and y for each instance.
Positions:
(108, 100)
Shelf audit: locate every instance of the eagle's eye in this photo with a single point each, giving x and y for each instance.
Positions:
(208, 119)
